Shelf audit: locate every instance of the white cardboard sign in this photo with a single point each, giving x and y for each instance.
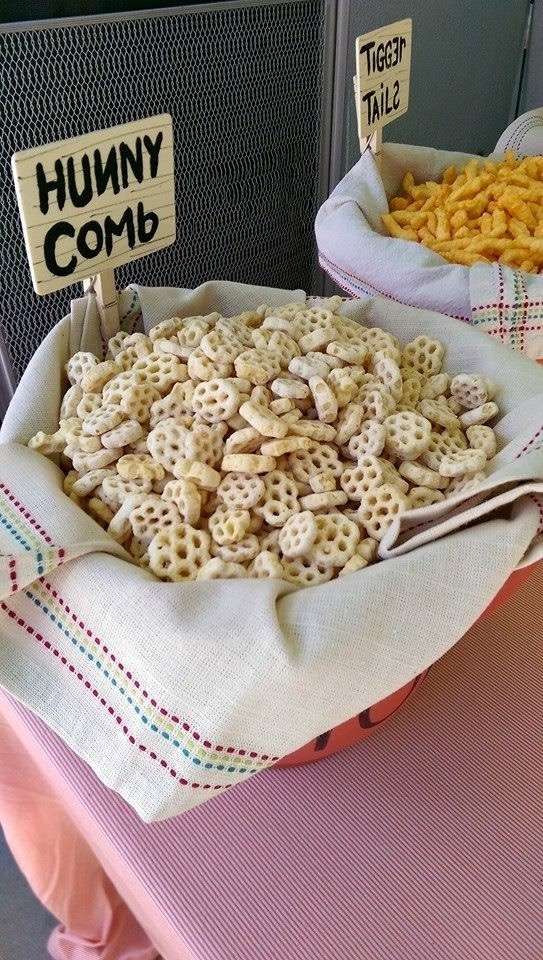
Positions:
(383, 67)
(92, 203)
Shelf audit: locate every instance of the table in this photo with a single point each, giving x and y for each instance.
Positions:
(422, 843)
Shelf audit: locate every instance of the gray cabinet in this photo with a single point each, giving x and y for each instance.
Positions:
(465, 71)
(264, 124)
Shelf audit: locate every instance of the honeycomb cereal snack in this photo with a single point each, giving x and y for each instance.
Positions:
(276, 444)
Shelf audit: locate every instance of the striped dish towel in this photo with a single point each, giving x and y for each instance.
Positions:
(175, 692)
(508, 305)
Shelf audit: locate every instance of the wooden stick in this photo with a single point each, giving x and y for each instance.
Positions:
(105, 291)
(376, 142)
(357, 105)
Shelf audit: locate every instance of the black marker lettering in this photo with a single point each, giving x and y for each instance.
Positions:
(107, 173)
(112, 229)
(153, 149)
(45, 186)
(366, 49)
(128, 159)
(396, 97)
(367, 99)
(384, 56)
(60, 229)
(82, 242)
(79, 199)
(145, 236)
(390, 55)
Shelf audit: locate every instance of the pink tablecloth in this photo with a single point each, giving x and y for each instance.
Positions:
(424, 843)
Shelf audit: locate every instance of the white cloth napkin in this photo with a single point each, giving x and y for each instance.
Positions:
(174, 692)
(362, 259)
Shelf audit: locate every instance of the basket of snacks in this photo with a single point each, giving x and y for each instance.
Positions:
(224, 531)
(445, 231)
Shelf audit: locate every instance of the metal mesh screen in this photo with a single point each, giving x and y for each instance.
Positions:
(244, 85)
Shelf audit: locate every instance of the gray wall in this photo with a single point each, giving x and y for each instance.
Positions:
(533, 80)
(464, 70)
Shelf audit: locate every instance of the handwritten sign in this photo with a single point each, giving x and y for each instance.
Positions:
(94, 202)
(383, 66)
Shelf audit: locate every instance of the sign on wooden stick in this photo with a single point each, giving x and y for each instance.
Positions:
(383, 66)
(92, 203)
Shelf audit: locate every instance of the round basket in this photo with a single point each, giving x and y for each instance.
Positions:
(360, 727)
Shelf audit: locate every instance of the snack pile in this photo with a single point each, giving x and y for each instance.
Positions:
(488, 211)
(281, 442)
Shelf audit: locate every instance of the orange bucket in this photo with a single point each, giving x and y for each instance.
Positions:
(360, 727)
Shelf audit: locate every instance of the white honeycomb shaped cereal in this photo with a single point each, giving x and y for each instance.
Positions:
(350, 351)
(187, 498)
(115, 489)
(94, 379)
(200, 367)
(205, 443)
(314, 430)
(266, 566)
(389, 374)
(215, 400)
(177, 404)
(435, 386)
(376, 404)
(423, 497)
(336, 540)
(79, 365)
(407, 435)
(70, 401)
(306, 572)
(261, 418)
(247, 463)
(150, 516)
(229, 525)
(178, 552)
(462, 462)
(280, 500)
(380, 507)
(166, 443)
(257, 366)
(323, 482)
(343, 385)
(369, 442)
(440, 414)
(479, 415)
(325, 400)
(240, 552)
(134, 466)
(160, 370)
(218, 346)
(425, 355)
(471, 390)
(136, 402)
(241, 490)
(219, 569)
(357, 481)
(304, 464)
(102, 419)
(298, 535)
(323, 501)
(441, 445)
(421, 476)
(482, 438)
